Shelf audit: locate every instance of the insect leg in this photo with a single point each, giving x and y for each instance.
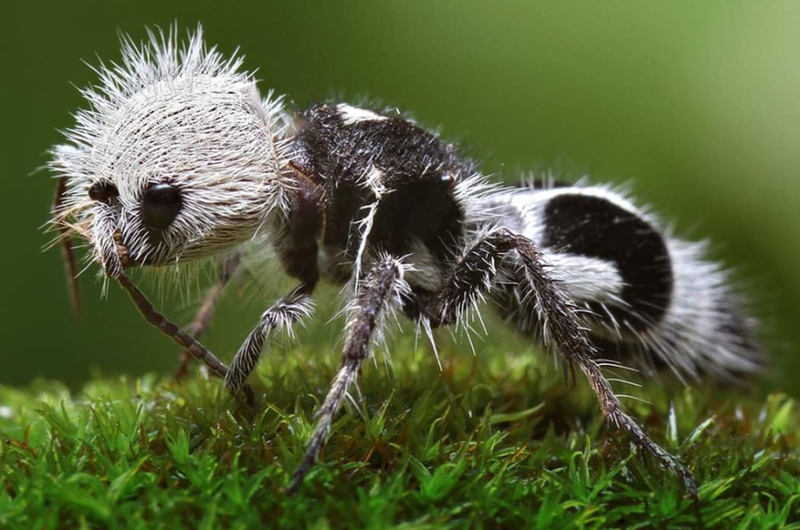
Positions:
(288, 310)
(381, 291)
(561, 324)
(203, 318)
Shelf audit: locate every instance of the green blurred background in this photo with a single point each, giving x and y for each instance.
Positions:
(695, 103)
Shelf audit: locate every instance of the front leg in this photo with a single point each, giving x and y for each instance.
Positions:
(291, 308)
(559, 318)
(381, 291)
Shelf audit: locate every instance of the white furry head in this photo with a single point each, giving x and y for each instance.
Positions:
(180, 155)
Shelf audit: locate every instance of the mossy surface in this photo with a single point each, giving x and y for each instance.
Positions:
(494, 440)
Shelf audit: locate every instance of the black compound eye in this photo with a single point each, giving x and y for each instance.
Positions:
(160, 205)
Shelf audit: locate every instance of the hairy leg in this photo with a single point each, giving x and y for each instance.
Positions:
(560, 321)
(381, 290)
(203, 318)
(288, 310)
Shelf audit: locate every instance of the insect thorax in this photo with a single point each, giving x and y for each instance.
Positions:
(364, 173)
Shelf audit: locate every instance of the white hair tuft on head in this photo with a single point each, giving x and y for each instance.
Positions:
(177, 152)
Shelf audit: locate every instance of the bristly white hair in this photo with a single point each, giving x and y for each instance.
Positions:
(705, 327)
(179, 113)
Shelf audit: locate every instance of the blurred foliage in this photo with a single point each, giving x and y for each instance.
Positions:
(492, 442)
(695, 103)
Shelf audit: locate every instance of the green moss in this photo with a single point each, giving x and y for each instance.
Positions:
(490, 441)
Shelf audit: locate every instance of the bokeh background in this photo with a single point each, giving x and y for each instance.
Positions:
(697, 104)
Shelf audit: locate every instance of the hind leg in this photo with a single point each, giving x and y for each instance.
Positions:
(559, 319)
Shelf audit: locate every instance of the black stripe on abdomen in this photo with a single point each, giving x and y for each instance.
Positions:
(596, 227)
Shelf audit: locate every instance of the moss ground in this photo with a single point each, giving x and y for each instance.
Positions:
(493, 440)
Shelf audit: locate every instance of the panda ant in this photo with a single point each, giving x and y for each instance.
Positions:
(178, 158)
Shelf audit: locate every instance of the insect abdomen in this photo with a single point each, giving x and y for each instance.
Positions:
(649, 297)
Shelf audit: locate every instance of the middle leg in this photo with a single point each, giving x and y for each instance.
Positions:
(381, 291)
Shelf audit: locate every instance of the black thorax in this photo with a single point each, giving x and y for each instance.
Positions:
(343, 167)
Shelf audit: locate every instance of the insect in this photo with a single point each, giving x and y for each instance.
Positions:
(179, 159)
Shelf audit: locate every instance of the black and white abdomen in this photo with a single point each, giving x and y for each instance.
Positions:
(648, 297)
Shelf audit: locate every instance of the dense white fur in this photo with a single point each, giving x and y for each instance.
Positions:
(690, 338)
(584, 278)
(351, 115)
(183, 115)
